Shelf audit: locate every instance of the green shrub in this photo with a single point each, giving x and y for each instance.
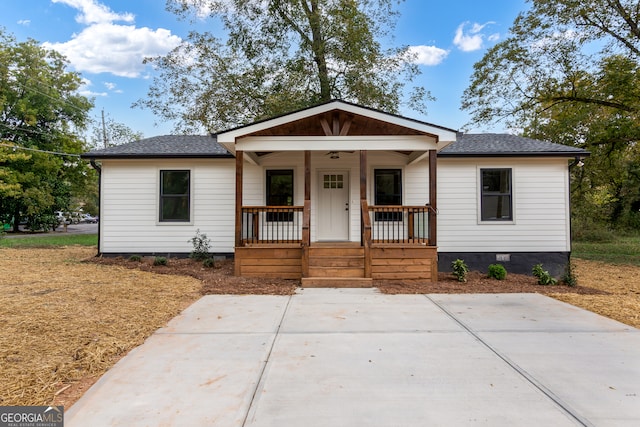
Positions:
(544, 278)
(497, 271)
(569, 278)
(201, 245)
(135, 258)
(209, 263)
(460, 270)
(160, 260)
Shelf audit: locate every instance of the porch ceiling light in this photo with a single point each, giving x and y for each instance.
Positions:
(334, 155)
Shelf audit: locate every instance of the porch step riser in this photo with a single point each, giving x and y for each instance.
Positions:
(356, 262)
(335, 252)
(336, 272)
(336, 282)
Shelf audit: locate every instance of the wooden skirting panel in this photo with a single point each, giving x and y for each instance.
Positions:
(404, 263)
(270, 261)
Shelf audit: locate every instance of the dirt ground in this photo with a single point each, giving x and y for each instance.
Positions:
(68, 316)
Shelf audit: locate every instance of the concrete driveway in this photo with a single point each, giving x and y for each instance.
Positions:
(355, 357)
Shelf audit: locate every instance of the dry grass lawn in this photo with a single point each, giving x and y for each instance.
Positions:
(64, 322)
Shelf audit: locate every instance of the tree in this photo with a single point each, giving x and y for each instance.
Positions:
(280, 56)
(570, 73)
(547, 61)
(40, 112)
(108, 133)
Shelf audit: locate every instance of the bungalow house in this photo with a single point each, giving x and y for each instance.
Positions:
(340, 194)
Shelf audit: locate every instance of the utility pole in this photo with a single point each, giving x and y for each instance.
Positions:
(104, 131)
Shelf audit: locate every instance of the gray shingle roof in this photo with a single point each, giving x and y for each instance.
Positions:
(173, 146)
(497, 144)
(467, 145)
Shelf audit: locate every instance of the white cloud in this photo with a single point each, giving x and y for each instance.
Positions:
(92, 12)
(472, 39)
(24, 22)
(105, 47)
(427, 55)
(112, 87)
(85, 90)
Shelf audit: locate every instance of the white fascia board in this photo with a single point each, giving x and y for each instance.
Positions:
(337, 143)
(443, 135)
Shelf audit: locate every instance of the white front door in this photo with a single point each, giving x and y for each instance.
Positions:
(333, 205)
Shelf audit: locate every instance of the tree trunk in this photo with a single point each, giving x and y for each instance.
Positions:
(16, 220)
(318, 48)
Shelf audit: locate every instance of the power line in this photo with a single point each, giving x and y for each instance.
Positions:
(57, 153)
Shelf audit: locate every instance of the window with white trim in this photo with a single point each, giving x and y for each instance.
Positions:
(496, 194)
(175, 196)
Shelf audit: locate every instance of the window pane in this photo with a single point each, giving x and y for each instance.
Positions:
(175, 209)
(174, 196)
(280, 193)
(280, 188)
(496, 195)
(175, 182)
(388, 190)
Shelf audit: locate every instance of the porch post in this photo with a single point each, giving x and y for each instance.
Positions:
(433, 197)
(365, 225)
(239, 167)
(306, 214)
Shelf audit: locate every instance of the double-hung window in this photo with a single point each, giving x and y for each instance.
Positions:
(496, 195)
(388, 192)
(280, 193)
(175, 196)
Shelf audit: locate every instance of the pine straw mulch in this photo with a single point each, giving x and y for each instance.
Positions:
(65, 322)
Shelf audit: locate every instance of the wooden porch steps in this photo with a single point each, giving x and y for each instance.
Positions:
(336, 282)
(337, 265)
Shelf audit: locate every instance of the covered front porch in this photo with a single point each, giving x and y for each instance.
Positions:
(371, 215)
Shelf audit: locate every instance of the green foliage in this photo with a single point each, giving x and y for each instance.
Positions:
(50, 241)
(201, 244)
(620, 250)
(160, 260)
(459, 270)
(115, 133)
(135, 258)
(42, 222)
(41, 110)
(209, 263)
(569, 278)
(544, 278)
(281, 56)
(497, 271)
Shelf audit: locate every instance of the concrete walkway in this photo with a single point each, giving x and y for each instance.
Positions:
(355, 357)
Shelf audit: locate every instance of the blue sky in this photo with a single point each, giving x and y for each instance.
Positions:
(106, 41)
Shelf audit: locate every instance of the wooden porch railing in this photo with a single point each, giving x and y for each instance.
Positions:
(366, 236)
(401, 224)
(272, 224)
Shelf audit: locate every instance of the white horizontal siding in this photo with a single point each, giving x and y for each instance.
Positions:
(540, 207)
(129, 211)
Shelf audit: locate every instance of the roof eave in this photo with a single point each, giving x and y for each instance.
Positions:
(518, 154)
(156, 156)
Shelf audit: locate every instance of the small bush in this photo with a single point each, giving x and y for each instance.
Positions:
(209, 263)
(544, 278)
(135, 258)
(160, 260)
(569, 278)
(497, 271)
(201, 244)
(460, 270)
